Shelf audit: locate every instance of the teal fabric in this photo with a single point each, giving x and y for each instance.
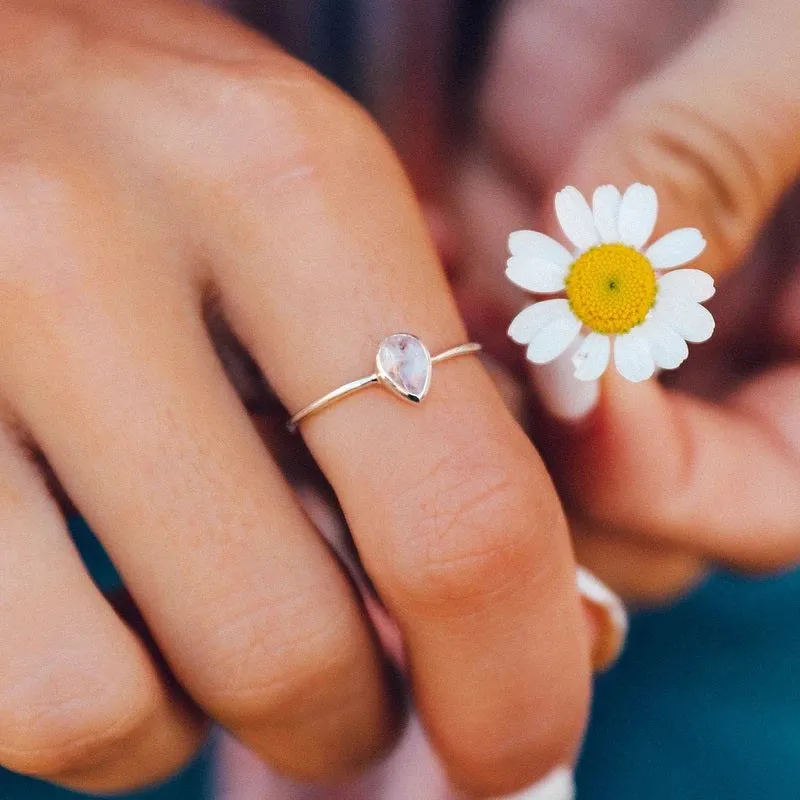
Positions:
(705, 702)
(703, 705)
(93, 555)
(193, 783)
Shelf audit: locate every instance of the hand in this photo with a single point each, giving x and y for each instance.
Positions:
(157, 159)
(659, 482)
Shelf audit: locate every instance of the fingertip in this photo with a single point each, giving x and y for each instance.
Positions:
(519, 774)
(563, 396)
(607, 619)
(557, 785)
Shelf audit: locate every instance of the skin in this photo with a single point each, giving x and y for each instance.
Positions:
(704, 105)
(157, 159)
(570, 95)
(161, 196)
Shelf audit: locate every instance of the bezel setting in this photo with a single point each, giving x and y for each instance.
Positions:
(411, 391)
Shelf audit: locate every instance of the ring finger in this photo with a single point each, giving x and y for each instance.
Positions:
(450, 507)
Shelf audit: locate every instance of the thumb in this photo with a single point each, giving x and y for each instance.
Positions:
(716, 132)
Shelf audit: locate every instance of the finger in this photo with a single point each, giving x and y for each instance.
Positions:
(567, 59)
(715, 132)
(722, 482)
(604, 612)
(243, 598)
(182, 26)
(487, 207)
(556, 785)
(608, 619)
(320, 254)
(787, 318)
(640, 570)
(719, 160)
(81, 703)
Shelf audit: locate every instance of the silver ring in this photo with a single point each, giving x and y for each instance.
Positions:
(403, 365)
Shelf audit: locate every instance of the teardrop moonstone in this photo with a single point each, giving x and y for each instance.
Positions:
(405, 364)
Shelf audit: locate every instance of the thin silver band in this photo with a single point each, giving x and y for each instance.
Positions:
(354, 386)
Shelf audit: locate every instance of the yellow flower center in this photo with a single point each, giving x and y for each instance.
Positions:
(611, 288)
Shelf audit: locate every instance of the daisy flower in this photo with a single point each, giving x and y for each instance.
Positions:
(613, 294)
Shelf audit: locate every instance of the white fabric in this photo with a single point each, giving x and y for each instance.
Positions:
(558, 785)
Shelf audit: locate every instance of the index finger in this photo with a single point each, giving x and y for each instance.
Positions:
(721, 481)
(318, 256)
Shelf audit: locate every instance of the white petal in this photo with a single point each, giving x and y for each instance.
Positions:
(575, 218)
(632, 356)
(668, 348)
(605, 207)
(637, 214)
(560, 393)
(539, 245)
(536, 274)
(591, 358)
(676, 248)
(690, 284)
(690, 320)
(553, 339)
(528, 322)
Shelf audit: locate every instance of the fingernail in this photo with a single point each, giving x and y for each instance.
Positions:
(611, 617)
(558, 785)
(561, 393)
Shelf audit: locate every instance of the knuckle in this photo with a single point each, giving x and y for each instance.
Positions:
(63, 720)
(474, 529)
(698, 163)
(45, 43)
(25, 193)
(37, 212)
(281, 658)
(311, 126)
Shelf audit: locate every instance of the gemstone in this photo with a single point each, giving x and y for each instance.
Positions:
(404, 364)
